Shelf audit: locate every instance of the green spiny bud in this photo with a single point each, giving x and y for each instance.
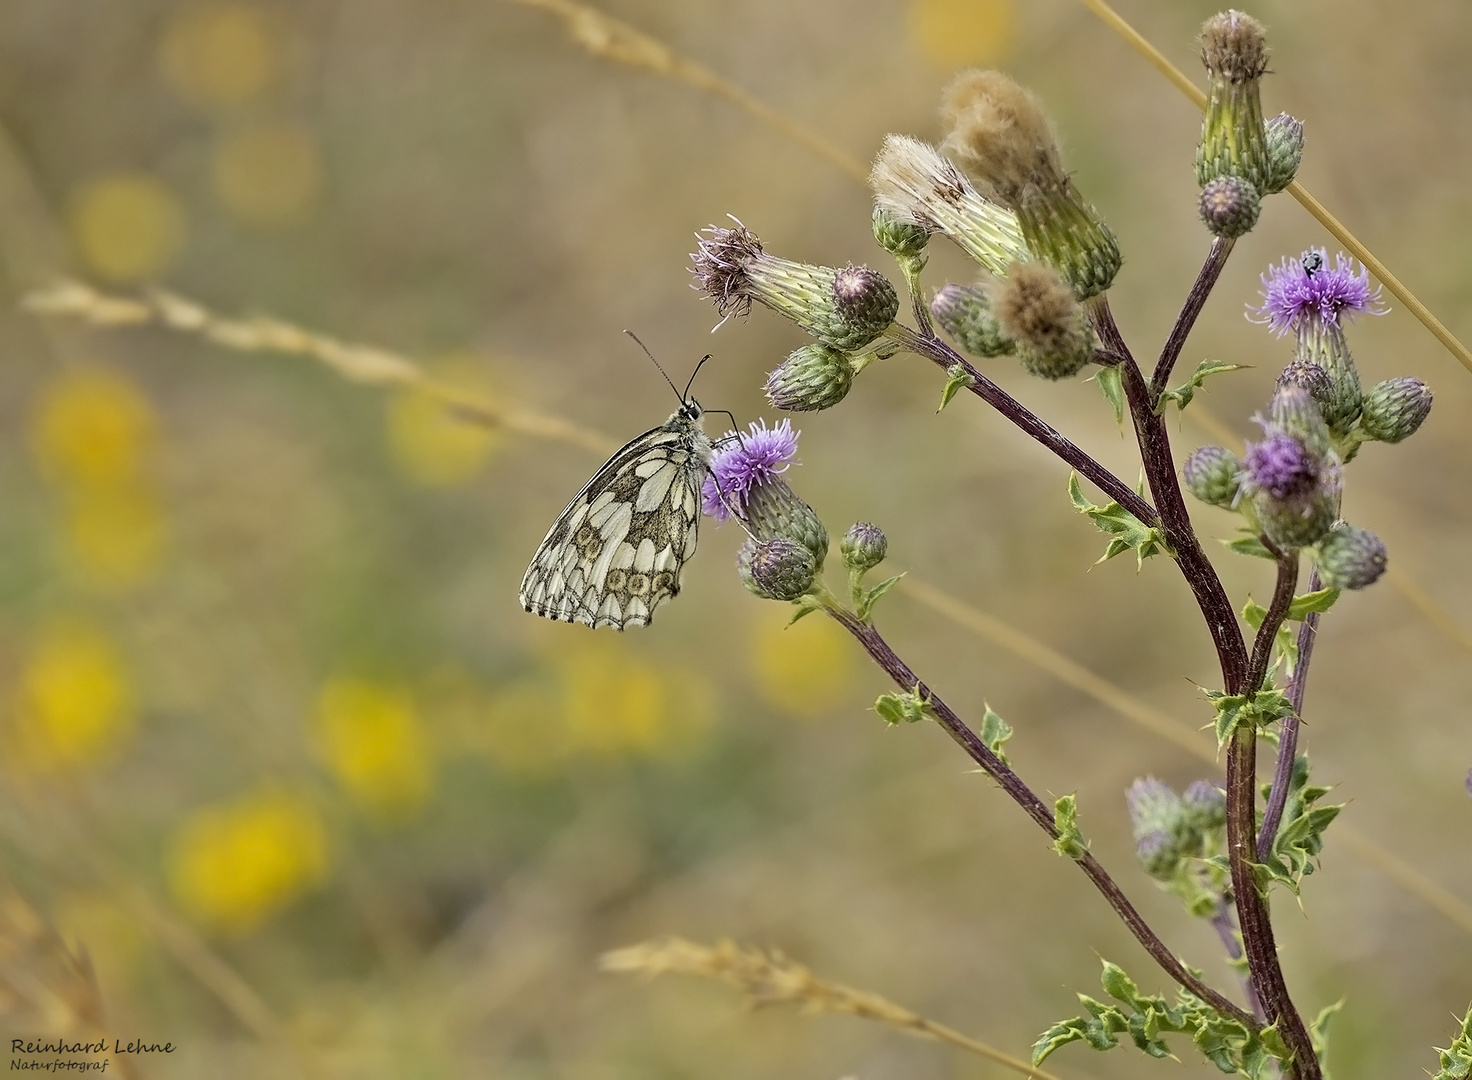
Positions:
(1351, 558)
(864, 547)
(813, 378)
(1036, 309)
(1214, 475)
(774, 509)
(1321, 342)
(1310, 377)
(1294, 410)
(778, 568)
(1158, 854)
(1285, 151)
(1205, 805)
(1298, 521)
(1233, 136)
(844, 308)
(1229, 206)
(1002, 139)
(966, 314)
(1394, 409)
(901, 237)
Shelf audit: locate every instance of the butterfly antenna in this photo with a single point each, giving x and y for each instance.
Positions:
(694, 373)
(655, 362)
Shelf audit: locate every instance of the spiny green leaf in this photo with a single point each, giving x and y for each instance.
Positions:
(902, 708)
(1070, 840)
(1456, 1059)
(1125, 530)
(1183, 394)
(1235, 710)
(994, 732)
(1318, 1034)
(806, 605)
(1320, 601)
(866, 605)
(958, 378)
(1111, 383)
(1300, 835)
(1251, 545)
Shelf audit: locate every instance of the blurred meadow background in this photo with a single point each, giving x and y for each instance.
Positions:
(283, 755)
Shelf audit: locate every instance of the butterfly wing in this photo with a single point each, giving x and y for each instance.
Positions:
(618, 551)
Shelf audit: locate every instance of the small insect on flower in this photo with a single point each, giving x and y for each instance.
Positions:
(618, 550)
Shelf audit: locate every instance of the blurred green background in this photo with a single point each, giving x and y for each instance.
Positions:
(282, 752)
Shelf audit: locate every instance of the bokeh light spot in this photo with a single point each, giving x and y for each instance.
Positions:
(221, 55)
(955, 33)
(232, 864)
(804, 668)
(268, 174)
(92, 427)
(127, 226)
(372, 739)
(74, 707)
(115, 536)
(431, 444)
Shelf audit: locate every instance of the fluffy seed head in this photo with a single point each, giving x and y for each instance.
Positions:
(999, 135)
(1229, 207)
(1234, 47)
(1037, 310)
(1394, 409)
(1351, 558)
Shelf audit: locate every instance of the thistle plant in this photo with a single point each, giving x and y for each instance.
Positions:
(997, 188)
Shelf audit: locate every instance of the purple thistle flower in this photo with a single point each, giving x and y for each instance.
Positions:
(742, 462)
(1306, 288)
(1281, 466)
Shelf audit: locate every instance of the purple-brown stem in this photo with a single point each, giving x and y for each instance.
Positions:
(945, 357)
(1216, 260)
(1272, 815)
(1226, 929)
(879, 650)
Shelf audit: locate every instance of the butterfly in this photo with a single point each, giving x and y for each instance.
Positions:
(618, 550)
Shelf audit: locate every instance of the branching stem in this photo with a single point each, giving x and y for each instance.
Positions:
(1272, 815)
(1216, 261)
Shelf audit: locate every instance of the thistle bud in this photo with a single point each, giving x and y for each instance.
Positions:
(776, 568)
(774, 509)
(1394, 409)
(864, 547)
(1205, 805)
(913, 183)
(1153, 807)
(1294, 411)
(812, 378)
(844, 309)
(1038, 311)
(1308, 376)
(1158, 854)
(1321, 342)
(1229, 207)
(1295, 492)
(1214, 475)
(966, 314)
(1002, 139)
(1233, 136)
(902, 238)
(1351, 558)
(1285, 151)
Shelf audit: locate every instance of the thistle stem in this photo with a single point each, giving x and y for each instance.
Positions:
(1211, 269)
(945, 357)
(1267, 633)
(880, 652)
(1272, 815)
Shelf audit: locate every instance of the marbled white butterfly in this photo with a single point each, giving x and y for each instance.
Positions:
(616, 553)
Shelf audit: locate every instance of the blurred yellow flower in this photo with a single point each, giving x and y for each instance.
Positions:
(957, 33)
(430, 443)
(126, 227)
(92, 426)
(615, 702)
(74, 705)
(221, 55)
(803, 669)
(232, 864)
(268, 174)
(371, 738)
(115, 537)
